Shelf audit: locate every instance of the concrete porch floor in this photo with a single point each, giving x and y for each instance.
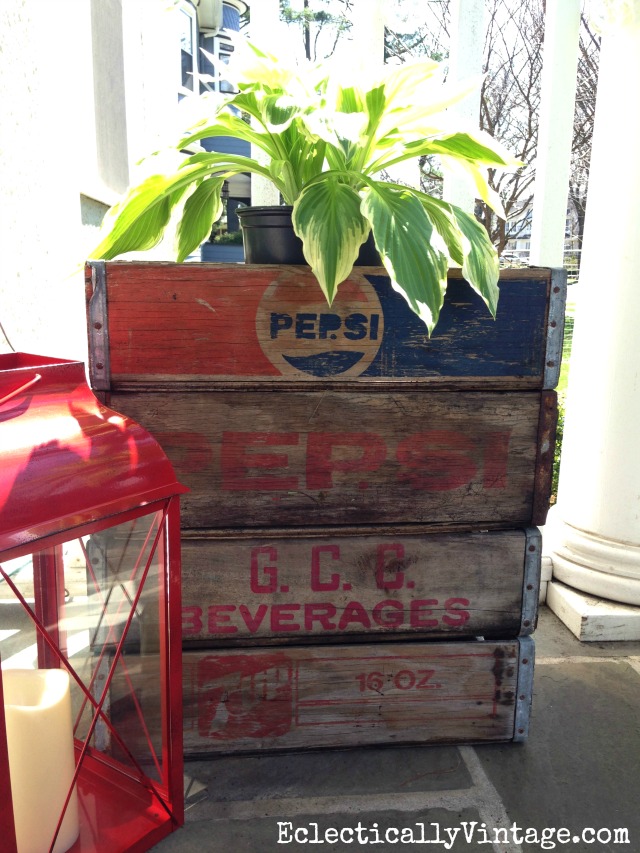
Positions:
(578, 771)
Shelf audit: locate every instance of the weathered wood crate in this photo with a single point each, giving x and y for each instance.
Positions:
(358, 490)
(155, 325)
(353, 695)
(279, 457)
(325, 584)
(292, 697)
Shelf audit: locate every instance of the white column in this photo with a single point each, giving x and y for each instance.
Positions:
(555, 132)
(265, 28)
(595, 541)
(368, 32)
(468, 33)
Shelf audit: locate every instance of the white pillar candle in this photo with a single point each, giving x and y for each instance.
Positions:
(37, 705)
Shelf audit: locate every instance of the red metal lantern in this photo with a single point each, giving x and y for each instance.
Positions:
(90, 749)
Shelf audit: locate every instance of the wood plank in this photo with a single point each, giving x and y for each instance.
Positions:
(338, 696)
(252, 590)
(283, 458)
(225, 323)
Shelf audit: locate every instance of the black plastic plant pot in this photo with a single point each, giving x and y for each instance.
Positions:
(269, 238)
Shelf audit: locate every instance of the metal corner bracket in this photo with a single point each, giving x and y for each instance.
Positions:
(531, 580)
(555, 328)
(524, 694)
(97, 316)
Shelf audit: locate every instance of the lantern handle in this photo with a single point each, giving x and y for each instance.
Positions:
(19, 390)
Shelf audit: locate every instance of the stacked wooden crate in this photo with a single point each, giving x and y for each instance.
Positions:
(360, 554)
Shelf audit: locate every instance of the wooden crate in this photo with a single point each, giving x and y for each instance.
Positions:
(323, 585)
(354, 695)
(155, 325)
(300, 458)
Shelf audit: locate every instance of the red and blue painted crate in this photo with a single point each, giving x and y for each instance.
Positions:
(190, 325)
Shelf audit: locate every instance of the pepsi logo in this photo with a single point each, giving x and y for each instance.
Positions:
(302, 335)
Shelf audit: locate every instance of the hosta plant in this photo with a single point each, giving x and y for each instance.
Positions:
(325, 142)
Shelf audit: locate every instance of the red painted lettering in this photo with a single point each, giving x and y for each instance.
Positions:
(191, 621)
(253, 622)
(397, 581)
(404, 680)
(424, 677)
(258, 572)
(419, 611)
(455, 616)
(238, 465)
(370, 681)
(281, 619)
(322, 461)
(437, 461)
(334, 580)
(320, 613)
(496, 456)
(354, 612)
(218, 617)
(388, 614)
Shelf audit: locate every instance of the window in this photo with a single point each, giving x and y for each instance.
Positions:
(218, 50)
(188, 35)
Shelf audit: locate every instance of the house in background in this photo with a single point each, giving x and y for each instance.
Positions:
(77, 117)
(237, 190)
(518, 246)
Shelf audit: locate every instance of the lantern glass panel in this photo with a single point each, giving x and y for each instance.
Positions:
(96, 606)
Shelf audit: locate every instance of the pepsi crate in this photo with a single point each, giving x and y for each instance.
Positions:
(162, 325)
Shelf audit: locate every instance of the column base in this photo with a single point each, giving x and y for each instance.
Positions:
(593, 619)
(592, 564)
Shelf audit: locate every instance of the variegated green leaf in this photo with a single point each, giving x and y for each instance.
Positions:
(469, 246)
(477, 148)
(476, 177)
(440, 214)
(138, 222)
(402, 81)
(228, 124)
(412, 251)
(328, 220)
(481, 267)
(201, 210)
